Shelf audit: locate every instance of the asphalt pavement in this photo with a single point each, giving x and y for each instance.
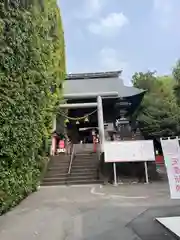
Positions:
(92, 212)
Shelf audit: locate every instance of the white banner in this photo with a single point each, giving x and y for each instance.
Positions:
(171, 151)
(129, 151)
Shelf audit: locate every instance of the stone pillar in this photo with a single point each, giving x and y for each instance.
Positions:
(100, 122)
(54, 123)
(53, 139)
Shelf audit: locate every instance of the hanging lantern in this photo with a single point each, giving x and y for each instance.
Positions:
(66, 120)
(77, 122)
(86, 119)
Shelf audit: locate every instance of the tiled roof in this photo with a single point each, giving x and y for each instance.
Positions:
(95, 85)
(78, 76)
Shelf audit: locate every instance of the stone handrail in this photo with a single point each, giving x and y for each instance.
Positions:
(71, 159)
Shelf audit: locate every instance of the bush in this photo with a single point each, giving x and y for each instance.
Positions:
(32, 61)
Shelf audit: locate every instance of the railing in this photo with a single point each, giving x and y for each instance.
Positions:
(78, 148)
(98, 150)
(71, 159)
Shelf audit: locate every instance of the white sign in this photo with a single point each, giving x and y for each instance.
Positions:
(129, 151)
(171, 151)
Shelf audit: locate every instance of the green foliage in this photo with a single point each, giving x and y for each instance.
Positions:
(176, 75)
(159, 114)
(32, 60)
(144, 81)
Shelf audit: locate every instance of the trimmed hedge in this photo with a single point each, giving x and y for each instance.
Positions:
(32, 61)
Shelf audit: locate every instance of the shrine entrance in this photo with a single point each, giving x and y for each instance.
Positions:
(89, 100)
(91, 114)
(80, 123)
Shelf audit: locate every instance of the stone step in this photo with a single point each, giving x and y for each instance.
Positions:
(62, 171)
(57, 158)
(86, 153)
(85, 156)
(53, 183)
(81, 179)
(54, 179)
(55, 175)
(58, 163)
(72, 182)
(83, 171)
(77, 182)
(84, 164)
(58, 166)
(85, 160)
(83, 174)
(84, 168)
(86, 171)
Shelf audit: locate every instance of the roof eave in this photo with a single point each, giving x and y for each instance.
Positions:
(80, 76)
(90, 95)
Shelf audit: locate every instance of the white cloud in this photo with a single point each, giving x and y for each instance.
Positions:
(109, 25)
(90, 9)
(110, 60)
(94, 5)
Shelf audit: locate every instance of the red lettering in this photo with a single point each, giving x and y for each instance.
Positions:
(176, 170)
(177, 179)
(175, 161)
(178, 188)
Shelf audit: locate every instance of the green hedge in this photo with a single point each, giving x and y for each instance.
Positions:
(32, 60)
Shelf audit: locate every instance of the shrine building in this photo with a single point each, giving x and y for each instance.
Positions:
(98, 101)
(95, 106)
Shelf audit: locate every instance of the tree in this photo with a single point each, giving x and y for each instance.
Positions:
(176, 75)
(159, 114)
(144, 81)
(32, 60)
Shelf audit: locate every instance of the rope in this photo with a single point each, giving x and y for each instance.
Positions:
(78, 118)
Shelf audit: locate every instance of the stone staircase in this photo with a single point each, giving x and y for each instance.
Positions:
(84, 169)
(56, 171)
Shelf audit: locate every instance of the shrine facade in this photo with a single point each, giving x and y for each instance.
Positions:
(99, 101)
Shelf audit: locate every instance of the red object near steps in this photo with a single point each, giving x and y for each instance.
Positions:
(159, 159)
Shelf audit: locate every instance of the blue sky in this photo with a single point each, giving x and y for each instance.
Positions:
(133, 35)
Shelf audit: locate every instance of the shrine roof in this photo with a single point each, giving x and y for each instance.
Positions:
(94, 83)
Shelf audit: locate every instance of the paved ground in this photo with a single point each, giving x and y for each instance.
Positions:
(90, 213)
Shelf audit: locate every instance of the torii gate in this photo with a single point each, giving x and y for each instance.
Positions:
(98, 104)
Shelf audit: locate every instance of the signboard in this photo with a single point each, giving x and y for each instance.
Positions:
(61, 144)
(129, 151)
(171, 151)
